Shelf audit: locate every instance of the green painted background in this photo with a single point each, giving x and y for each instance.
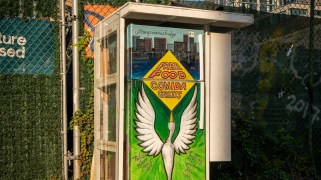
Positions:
(141, 166)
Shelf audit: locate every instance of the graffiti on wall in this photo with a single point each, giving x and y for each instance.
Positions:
(291, 60)
(301, 106)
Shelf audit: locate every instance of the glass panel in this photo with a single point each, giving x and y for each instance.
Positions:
(108, 165)
(111, 91)
(112, 48)
(104, 53)
(101, 116)
(108, 56)
(104, 112)
(108, 66)
(109, 112)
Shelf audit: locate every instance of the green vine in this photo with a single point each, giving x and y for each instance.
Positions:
(85, 119)
(267, 72)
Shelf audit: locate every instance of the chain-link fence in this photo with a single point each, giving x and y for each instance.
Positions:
(276, 78)
(30, 90)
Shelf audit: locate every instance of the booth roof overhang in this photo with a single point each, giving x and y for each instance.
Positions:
(174, 14)
(160, 15)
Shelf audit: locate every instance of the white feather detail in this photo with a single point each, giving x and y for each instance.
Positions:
(187, 127)
(147, 143)
(190, 137)
(145, 123)
(143, 131)
(143, 119)
(144, 111)
(185, 141)
(145, 137)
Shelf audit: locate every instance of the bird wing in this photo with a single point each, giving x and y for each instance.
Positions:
(187, 127)
(145, 125)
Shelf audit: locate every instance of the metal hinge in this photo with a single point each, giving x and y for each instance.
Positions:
(71, 157)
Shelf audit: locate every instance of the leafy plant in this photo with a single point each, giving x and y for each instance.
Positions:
(85, 119)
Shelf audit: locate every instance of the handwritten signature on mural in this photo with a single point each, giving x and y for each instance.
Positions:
(142, 162)
(192, 162)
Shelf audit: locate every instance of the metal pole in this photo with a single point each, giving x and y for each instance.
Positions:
(64, 88)
(75, 70)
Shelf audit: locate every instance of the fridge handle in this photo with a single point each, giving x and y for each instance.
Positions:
(202, 90)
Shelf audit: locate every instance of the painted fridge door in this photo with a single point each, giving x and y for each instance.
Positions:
(165, 139)
(164, 143)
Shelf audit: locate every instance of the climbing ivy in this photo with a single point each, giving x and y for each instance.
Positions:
(85, 118)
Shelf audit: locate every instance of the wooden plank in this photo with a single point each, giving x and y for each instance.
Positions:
(121, 97)
(107, 145)
(97, 98)
(106, 80)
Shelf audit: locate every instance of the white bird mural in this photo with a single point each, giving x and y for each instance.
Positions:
(152, 143)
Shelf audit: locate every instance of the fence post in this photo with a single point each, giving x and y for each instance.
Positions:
(64, 88)
(75, 69)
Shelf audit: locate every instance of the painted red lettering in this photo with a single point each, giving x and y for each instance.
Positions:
(173, 75)
(181, 75)
(155, 73)
(162, 65)
(165, 74)
(168, 66)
